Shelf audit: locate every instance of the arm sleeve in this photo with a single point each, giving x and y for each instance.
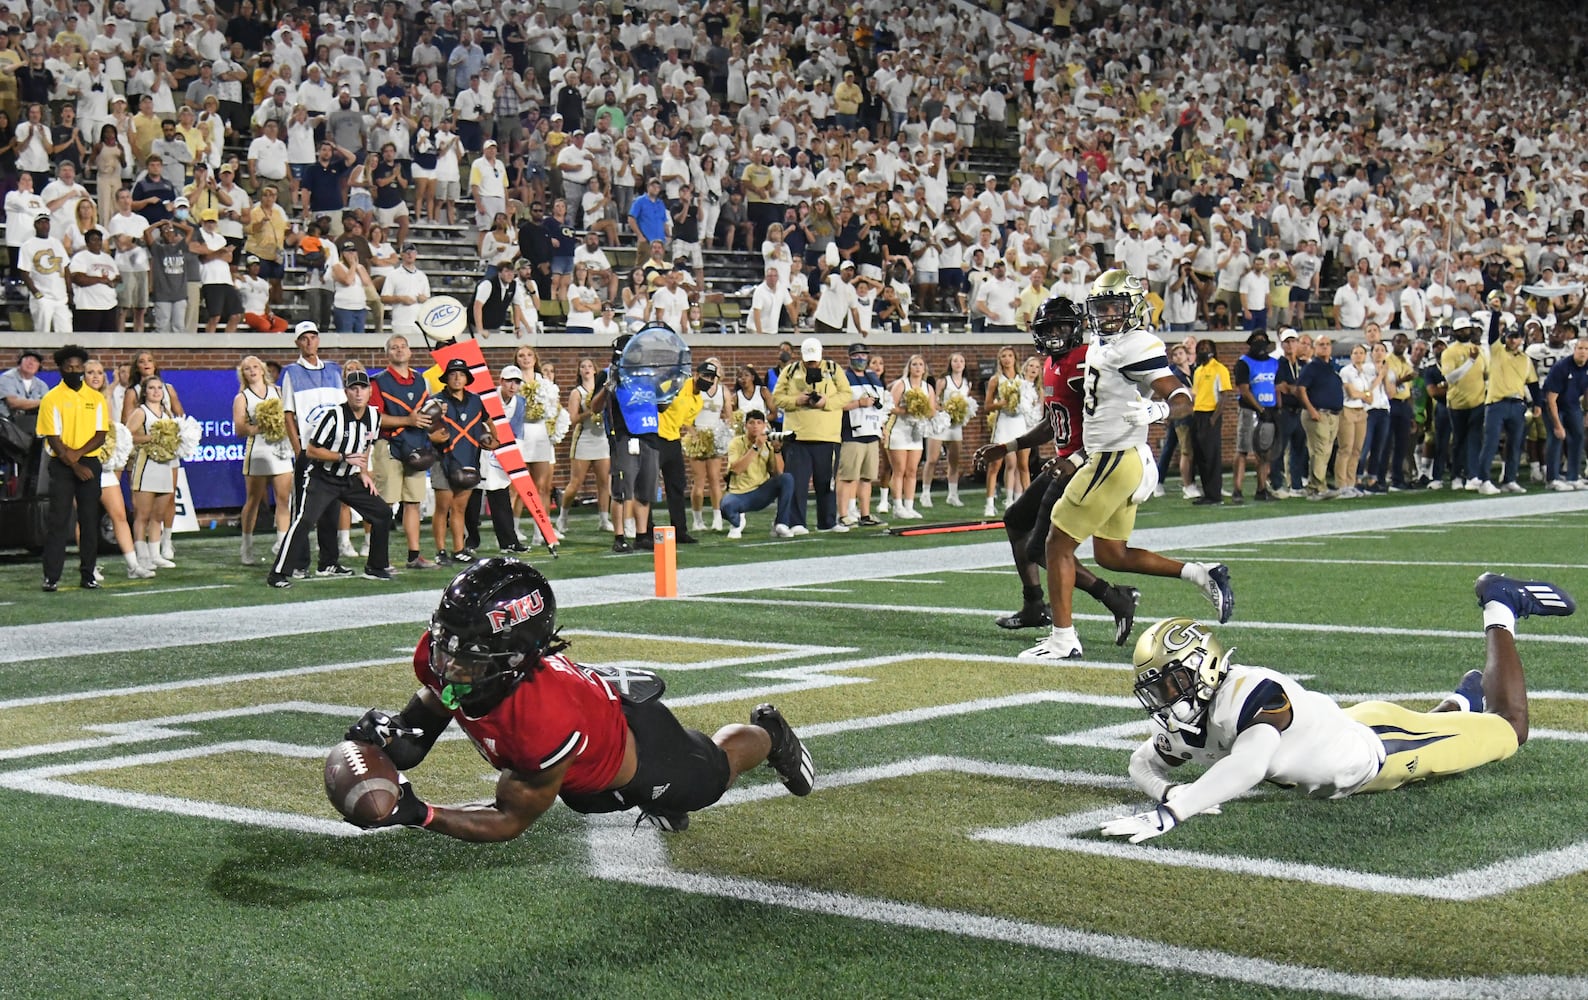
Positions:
(1149, 772)
(1452, 377)
(1240, 772)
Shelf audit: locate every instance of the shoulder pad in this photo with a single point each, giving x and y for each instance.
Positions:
(1268, 697)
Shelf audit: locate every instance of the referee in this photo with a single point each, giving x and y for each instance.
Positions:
(338, 451)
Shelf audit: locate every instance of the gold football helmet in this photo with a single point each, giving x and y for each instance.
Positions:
(1179, 667)
(1116, 303)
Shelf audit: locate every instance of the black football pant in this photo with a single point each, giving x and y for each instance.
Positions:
(1026, 520)
(1208, 444)
(67, 492)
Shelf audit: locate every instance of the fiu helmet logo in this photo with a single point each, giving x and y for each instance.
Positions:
(518, 610)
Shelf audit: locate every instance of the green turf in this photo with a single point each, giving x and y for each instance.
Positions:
(115, 901)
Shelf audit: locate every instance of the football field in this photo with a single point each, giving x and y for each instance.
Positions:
(165, 831)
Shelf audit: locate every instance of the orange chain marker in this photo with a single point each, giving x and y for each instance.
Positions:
(666, 560)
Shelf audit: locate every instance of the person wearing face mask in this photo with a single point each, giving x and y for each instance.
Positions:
(73, 421)
(1210, 381)
(1258, 401)
(812, 393)
(858, 453)
(680, 413)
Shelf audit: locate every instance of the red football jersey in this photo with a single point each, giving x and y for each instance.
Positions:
(1063, 395)
(560, 711)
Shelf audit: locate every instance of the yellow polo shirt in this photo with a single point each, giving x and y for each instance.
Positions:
(680, 413)
(757, 472)
(1467, 392)
(1509, 375)
(1404, 375)
(1207, 382)
(74, 417)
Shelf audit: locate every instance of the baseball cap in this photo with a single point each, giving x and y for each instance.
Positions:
(1287, 334)
(409, 247)
(848, 265)
(305, 328)
(858, 348)
(512, 373)
(227, 168)
(811, 349)
(249, 258)
(489, 142)
(708, 368)
(209, 215)
(181, 203)
(29, 352)
(456, 365)
(355, 377)
(42, 217)
(989, 177)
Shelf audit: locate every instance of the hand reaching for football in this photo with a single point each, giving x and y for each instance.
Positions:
(410, 811)
(380, 728)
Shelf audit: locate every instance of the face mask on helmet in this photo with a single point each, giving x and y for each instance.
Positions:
(1170, 695)
(496, 620)
(472, 680)
(1057, 327)
(1180, 666)
(1108, 315)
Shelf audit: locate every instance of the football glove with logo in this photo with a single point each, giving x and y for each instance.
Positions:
(1146, 411)
(1142, 826)
(381, 729)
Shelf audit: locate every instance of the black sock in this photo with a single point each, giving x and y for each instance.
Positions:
(1098, 588)
(413, 554)
(1031, 594)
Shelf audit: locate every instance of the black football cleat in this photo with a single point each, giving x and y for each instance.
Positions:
(1122, 602)
(1029, 616)
(667, 822)
(788, 758)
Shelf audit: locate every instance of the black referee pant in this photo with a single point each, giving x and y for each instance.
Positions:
(324, 526)
(1207, 441)
(67, 492)
(320, 494)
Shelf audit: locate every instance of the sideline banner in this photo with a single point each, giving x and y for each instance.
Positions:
(216, 472)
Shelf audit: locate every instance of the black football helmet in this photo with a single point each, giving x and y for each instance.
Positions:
(1058, 327)
(495, 621)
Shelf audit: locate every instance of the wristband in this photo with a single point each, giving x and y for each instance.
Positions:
(430, 815)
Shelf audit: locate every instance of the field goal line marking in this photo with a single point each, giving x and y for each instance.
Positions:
(617, 853)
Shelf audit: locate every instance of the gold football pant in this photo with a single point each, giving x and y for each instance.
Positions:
(1419, 745)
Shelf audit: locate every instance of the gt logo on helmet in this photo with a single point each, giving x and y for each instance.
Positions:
(518, 610)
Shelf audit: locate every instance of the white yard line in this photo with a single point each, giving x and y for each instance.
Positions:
(240, 624)
(171, 590)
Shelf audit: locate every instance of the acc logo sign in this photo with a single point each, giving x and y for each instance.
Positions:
(443, 318)
(511, 614)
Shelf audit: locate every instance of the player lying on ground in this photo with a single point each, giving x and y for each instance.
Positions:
(1253, 725)
(1128, 386)
(602, 740)
(1057, 331)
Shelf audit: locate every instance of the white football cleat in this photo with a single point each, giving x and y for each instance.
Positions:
(1488, 489)
(1054, 647)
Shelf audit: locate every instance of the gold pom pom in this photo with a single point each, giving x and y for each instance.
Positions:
(271, 419)
(958, 410)
(164, 437)
(916, 404)
(699, 444)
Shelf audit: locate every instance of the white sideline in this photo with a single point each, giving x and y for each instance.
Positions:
(232, 624)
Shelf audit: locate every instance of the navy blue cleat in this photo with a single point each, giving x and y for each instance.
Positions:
(1524, 597)
(1471, 688)
(1219, 591)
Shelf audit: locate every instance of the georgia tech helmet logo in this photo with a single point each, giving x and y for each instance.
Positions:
(518, 610)
(46, 262)
(1179, 638)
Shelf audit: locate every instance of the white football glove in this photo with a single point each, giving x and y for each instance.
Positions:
(1141, 412)
(1142, 826)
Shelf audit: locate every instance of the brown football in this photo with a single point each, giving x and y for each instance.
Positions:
(361, 781)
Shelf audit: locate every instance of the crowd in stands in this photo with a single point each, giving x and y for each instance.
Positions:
(1382, 170)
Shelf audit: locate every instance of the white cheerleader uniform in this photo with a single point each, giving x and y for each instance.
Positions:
(536, 443)
(591, 444)
(110, 471)
(744, 404)
(262, 457)
(948, 388)
(1010, 425)
(907, 434)
(149, 476)
(710, 419)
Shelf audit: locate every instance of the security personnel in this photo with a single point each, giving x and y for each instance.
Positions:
(860, 450)
(1255, 373)
(668, 443)
(812, 394)
(338, 448)
(309, 388)
(1465, 367)
(73, 421)
(398, 394)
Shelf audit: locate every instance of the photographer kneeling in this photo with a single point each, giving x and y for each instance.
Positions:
(756, 478)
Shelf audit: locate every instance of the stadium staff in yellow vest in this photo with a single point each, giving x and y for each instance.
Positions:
(73, 421)
(812, 393)
(1511, 390)
(1465, 367)
(680, 413)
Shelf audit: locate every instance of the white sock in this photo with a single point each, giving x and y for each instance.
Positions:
(1194, 573)
(1457, 699)
(1496, 614)
(344, 538)
(131, 559)
(1065, 634)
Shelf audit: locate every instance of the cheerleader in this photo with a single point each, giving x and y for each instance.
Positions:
(118, 446)
(267, 457)
(750, 394)
(541, 406)
(914, 406)
(153, 473)
(945, 436)
(1003, 410)
(713, 431)
(591, 452)
(1031, 413)
(143, 366)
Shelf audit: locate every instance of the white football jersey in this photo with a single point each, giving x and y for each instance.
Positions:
(1324, 752)
(1117, 374)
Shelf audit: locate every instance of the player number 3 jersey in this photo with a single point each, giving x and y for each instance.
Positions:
(1117, 374)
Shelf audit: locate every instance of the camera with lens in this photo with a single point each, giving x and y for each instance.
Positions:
(776, 436)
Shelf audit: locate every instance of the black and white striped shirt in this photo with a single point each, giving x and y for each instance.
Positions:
(341, 432)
